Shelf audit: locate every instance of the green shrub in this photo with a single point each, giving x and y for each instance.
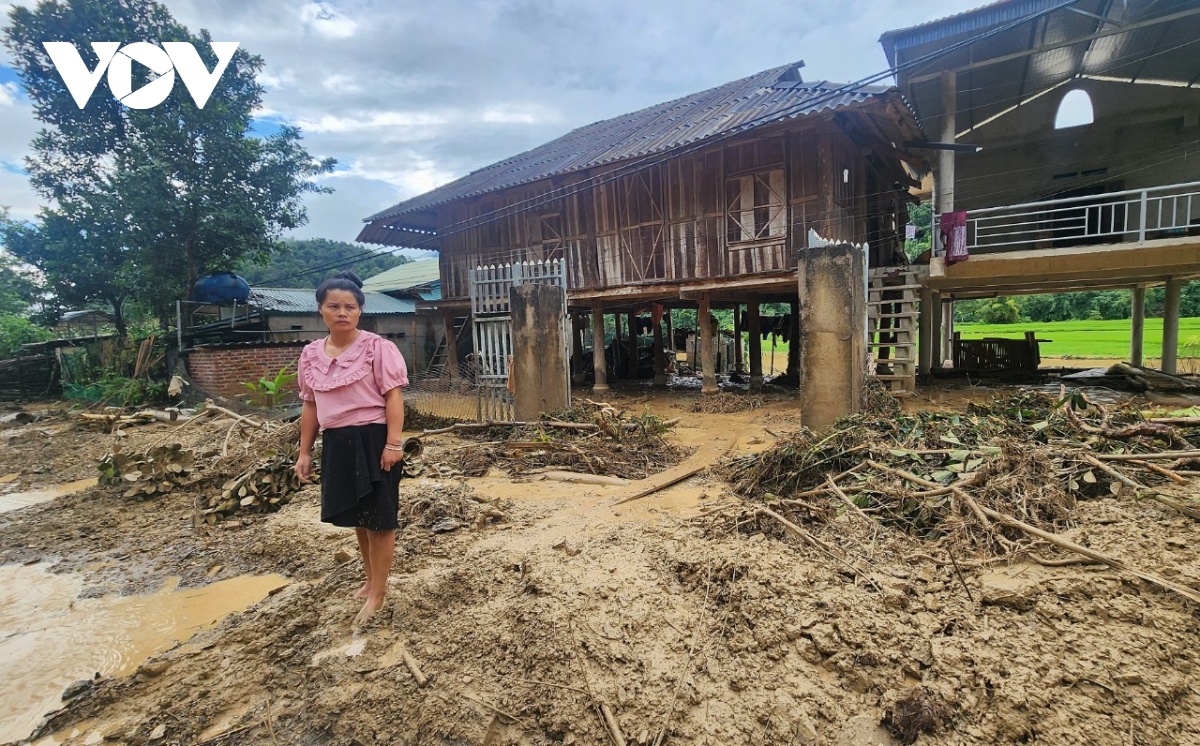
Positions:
(16, 331)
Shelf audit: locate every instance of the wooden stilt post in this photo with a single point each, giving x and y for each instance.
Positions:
(793, 364)
(577, 324)
(754, 328)
(708, 363)
(598, 361)
(660, 357)
(737, 340)
(631, 365)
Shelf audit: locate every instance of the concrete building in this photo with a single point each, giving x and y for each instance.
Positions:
(1087, 116)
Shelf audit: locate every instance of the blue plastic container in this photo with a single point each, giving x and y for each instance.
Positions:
(221, 288)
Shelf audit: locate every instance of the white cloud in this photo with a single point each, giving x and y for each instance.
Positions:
(521, 113)
(365, 121)
(325, 19)
(416, 177)
(9, 93)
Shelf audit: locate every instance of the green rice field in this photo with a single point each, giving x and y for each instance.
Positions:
(1098, 340)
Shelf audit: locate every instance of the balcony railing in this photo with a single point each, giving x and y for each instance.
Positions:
(1131, 216)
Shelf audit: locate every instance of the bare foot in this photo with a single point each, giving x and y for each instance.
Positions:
(372, 605)
(361, 592)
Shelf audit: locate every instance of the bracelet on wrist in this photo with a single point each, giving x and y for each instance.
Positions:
(390, 447)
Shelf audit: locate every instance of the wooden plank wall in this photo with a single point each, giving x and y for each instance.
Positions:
(741, 208)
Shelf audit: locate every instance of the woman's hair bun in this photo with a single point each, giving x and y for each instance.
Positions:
(348, 275)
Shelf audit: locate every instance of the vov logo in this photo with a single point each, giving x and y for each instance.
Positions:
(164, 61)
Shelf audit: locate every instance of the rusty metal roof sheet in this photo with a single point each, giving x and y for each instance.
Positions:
(764, 98)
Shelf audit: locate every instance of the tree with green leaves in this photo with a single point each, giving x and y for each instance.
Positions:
(18, 285)
(146, 201)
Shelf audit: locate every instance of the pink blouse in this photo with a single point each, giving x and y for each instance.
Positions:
(349, 389)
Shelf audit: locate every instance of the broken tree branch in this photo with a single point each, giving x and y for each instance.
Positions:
(1112, 562)
(815, 543)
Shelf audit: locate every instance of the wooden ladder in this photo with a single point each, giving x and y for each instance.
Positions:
(441, 356)
(892, 297)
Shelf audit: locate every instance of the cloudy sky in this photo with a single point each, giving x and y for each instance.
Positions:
(407, 96)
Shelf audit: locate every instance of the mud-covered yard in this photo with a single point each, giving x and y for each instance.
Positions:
(543, 612)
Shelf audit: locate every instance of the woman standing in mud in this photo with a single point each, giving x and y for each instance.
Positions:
(350, 386)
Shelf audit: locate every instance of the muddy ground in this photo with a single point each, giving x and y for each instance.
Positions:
(564, 608)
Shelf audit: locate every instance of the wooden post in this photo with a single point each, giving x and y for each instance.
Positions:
(577, 324)
(793, 365)
(618, 347)
(670, 334)
(754, 328)
(598, 361)
(451, 343)
(1170, 334)
(631, 365)
(660, 358)
(707, 362)
(737, 339)
(1137, 326)
(935, 337)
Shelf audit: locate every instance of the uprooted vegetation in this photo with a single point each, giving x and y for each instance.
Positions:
(1003, 478)
(590, 438)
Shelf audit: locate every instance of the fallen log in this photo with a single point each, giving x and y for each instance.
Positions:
(413, 667)
(572, 477)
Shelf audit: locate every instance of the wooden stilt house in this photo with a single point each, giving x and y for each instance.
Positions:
(702, 201)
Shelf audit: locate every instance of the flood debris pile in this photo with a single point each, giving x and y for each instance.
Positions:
(234, 463)
(1002, 479)
(726, 403)
(443, 507)
(591, 438)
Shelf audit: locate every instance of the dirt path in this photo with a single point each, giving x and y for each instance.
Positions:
(529, 629)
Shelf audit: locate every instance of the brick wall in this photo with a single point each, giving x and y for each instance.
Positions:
(222, 370)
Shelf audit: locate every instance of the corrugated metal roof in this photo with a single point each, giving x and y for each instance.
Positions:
(971, 21)
(294, 301)
(760, 99)
(404, 276)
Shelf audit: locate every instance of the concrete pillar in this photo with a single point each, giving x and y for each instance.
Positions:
(631, 365)
(947, 330)
(935, 338)
(1170, 335)
(737, 340)
(708, 363)
(925, 338)
(598, 362)
(754, 324)
(948, 131)
(1137, 326)
(539, 374)
(794, 344)
(833, 318)
(660, 356)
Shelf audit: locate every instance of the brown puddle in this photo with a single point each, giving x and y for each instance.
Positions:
(50, 638)
(16, 500)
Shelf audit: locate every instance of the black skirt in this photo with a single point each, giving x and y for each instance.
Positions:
(355, 492)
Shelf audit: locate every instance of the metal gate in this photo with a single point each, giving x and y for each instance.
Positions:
(492, 322)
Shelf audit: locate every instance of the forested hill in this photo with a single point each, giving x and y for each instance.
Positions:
(305, 263)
